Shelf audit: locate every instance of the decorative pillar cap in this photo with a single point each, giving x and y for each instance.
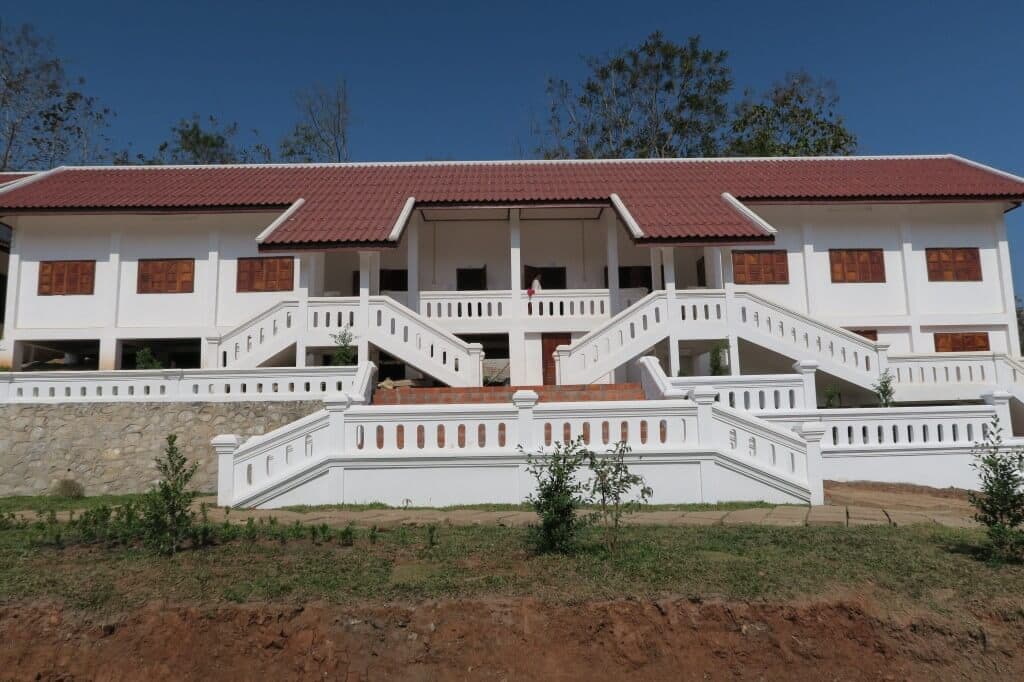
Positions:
(812, 432)
(226, 441)
(806, 366)
(704, 395)
(525, 398)
(337, 402)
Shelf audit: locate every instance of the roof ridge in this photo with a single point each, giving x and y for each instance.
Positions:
(523, 162)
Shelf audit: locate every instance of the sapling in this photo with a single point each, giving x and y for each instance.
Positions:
(999, 501)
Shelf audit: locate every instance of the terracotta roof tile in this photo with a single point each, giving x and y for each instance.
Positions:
(670, 199)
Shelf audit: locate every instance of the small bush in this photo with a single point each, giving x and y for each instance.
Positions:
(431, 536)
(559, 496)
(144, 359)
(167, 516)
(347, 536)
(344, 352)
(999, 504)
(884, 389)
(610, 485)
(68, 489)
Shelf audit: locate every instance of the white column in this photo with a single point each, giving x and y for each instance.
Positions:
(807, 370)
(807, 254)
(13, 287)
(369, 275)
(111, 293)
(705, 397)
(919, 342)
(656, 281)
(302, 280)
(225, 447)
(668, 260)
(1006, 286)
(812, 433)
(525, 401)
(713, 267)
(612, 247)
(516, 337)
(1000, 400)
(213, 277)
(412, 259)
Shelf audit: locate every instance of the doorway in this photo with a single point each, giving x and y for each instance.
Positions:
(548, 344)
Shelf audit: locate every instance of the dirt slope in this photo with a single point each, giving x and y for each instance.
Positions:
(498, 639)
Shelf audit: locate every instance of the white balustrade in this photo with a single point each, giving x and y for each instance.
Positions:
(465, 305)
(267, 459)
(253, 341)
(897, 427)
(261, 384)
(643, 426)
(757, 442)
(840, 351)
(944, 369)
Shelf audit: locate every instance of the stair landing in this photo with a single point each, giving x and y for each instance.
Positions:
(454, 395)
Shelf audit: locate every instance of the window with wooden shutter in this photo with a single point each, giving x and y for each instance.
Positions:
(760, 267)
(166, 276)
(265, 274)
(961, 342)
(857, 265)
(953, 265)
(67, 277)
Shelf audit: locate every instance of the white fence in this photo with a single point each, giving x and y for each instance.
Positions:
(263, 384)
(447, 454)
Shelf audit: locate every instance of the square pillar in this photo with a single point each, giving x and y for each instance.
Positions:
(612, 247)
(518, 371)
(812, 433)
(369, 277)
(412, 260)
(668, 262)
(657, 282)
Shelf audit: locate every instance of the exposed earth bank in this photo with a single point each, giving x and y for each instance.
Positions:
(503, 639)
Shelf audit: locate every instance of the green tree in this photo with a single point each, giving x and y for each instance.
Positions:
(167, 515)
(344, 352)
(46, 119)
(199, 140)
(144, 359)
(666, 99)
(885, 390)
(659, 99)
(797, 117)
(999, 501)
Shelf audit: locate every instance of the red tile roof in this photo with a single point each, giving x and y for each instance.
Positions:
(6, 177)
(669, 199)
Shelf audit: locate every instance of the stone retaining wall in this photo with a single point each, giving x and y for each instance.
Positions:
(110, 447)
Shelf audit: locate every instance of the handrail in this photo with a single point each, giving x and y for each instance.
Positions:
(857, 339)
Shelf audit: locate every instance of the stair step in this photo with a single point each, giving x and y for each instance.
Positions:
(453, 395)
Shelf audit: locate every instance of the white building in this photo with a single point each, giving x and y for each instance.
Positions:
(847, 267)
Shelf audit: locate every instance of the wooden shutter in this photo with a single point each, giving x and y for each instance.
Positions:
(67, 278)
(760, 267)
(265, 274)
(961, 342)
(857, 265)
(953, 265)
(870, 334)
(166, 276)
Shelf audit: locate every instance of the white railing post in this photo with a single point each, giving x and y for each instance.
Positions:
(525, 401)
(337, 404)
(807, 369)
(476, 364)
(705, 397)
(225, 447)
(210, 353)
(883, 357)
(812, 433)
(1000, 400)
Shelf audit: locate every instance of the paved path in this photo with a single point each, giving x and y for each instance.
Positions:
(783, 515)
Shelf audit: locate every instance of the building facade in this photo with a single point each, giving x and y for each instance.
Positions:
(524, 274)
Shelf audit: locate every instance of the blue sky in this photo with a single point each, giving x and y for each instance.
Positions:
(462, 80)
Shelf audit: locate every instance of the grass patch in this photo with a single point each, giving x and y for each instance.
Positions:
(44, 503)
(927, 567)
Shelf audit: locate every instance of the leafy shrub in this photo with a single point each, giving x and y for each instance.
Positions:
(68, 489)
(347, 536)
(167, 516)
(719, 356)
(884, 389)
(610, 485)
(144, 359)
(431, 536)
(559, 496)
(344, 352)
(999, 504)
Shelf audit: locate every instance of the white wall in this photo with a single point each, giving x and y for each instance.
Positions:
(907, 308)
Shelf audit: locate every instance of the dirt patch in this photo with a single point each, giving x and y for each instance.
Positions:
(902, 496)
(502, 639)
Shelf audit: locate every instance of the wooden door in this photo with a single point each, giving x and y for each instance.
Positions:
(548, 344)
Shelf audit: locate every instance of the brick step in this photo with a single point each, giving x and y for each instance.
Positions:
(453, 395)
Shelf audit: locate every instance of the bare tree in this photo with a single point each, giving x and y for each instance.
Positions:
(45, 118)
(322, 131)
